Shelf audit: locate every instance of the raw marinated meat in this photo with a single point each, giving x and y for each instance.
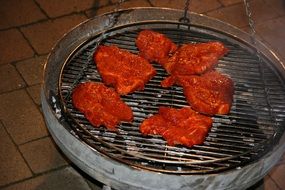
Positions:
(154, 46)
(125, 71)
(101, 105)
(195, 58)
(211, 93)
(178, 126)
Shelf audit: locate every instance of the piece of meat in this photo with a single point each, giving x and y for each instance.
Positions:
(210, 93)
(125, 71)
(154, 46)
(100, 105)
(178, 126)
(195, 58)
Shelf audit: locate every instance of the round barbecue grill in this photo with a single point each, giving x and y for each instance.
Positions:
(240, 148)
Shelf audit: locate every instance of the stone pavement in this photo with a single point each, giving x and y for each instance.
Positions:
(29, 159)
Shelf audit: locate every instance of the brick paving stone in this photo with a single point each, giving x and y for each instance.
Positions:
(42, 155)
(198, 6)
(55, 8)
(10, 78)
(202, 6)
(230, 2)
(95, 12)
(32, 69)
(19, 12)
(179, 4)
(234, 15)
(128, 4)
(277, 5)
(21, 117)
(276, 27)
(195, 6)
(13, 46)
(269, 184)
(135, 3)
(66, 178)
(262, 11)
(34, 92)
(12, 165)
(278, 175)
(44, 35)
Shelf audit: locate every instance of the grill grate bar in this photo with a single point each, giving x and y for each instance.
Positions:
(234, 139)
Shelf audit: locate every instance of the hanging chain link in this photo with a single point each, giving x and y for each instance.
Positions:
(185, 19)
(252, 27)
(258, 53)
(118, 4)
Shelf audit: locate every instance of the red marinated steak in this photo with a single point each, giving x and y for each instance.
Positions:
(101, 105)
(154, 46)
(178, 126)
(196, 58)
(125, 71)
(210, 93)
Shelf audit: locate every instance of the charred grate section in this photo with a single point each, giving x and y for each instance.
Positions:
(253, 126)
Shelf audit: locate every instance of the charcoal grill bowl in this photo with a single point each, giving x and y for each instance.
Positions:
(122, 176)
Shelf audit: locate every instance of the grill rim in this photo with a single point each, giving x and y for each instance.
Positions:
(46, 93)
(138, 154)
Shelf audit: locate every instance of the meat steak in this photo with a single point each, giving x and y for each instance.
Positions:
(100, 105)
(195, 58)
(125, 71)
(154, 46)
(210, 93)
(178, 126)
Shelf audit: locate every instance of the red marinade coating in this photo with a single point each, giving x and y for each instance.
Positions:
(210, 93)
(196, 58)
(155, 46)
(100, 105)
(178, 126)
(125, 71)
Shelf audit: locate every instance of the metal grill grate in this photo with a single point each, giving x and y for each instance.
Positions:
(248, 132)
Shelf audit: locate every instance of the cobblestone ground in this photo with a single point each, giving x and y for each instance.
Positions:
(29, 159)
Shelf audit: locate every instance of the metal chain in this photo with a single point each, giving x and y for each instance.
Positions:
(185, 19)
(252, 27)
(258, 53)
(118, 4)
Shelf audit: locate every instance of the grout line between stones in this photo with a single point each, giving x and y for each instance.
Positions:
(40, 138)
(26, 84)
(274, 182)
(23, 25)
(14, 90)
(151, 4)
(17, 147)
(28, 41)
(44, 20)
(41, 9)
